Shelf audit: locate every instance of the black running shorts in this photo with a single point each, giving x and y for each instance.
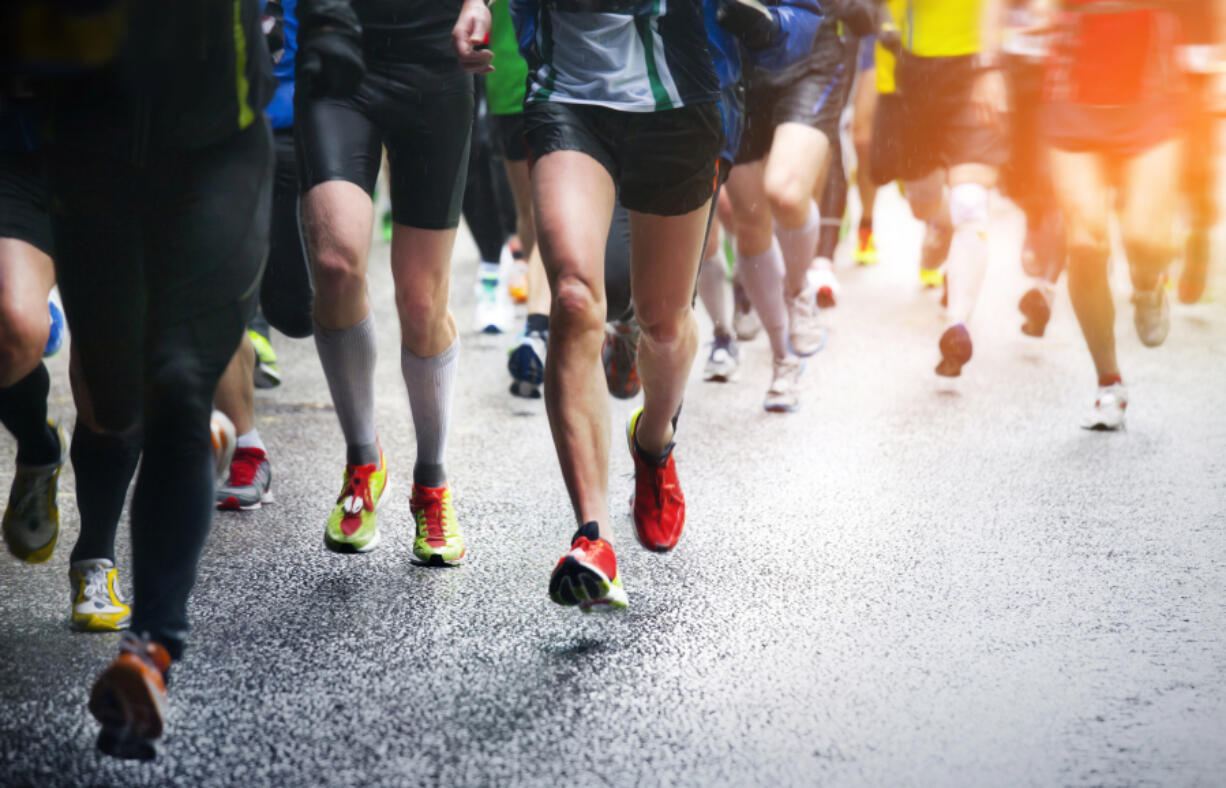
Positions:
(663, 163)
(812, 93)
(885, 149)
(509, 131)
(422, 113)
(938, 122)
(23, 200)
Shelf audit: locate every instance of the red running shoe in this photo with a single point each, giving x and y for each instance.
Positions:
(587, 575)
(658, 505)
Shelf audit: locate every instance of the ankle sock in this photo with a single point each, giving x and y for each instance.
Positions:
(251, 440)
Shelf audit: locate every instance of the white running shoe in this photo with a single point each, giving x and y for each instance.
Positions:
(783, 396)
(722, 364)
(745, 322)
(1152, 314)
(1109, 407)
(225, 439)
(805, 333)
(821, 280)
(493, 311)
(526, 363)
(96, 603)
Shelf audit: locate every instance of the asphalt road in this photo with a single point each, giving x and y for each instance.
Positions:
(910, 581)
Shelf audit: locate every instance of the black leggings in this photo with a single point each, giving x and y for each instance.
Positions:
(286, 293)
(159, 266)
(489, 207)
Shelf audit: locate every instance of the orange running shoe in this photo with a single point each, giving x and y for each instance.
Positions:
(129, 698)
(587, 575)
(657, 502)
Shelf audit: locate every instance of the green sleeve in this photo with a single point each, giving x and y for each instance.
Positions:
(505, 85)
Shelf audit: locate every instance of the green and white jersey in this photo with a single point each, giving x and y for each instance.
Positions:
(629, 55)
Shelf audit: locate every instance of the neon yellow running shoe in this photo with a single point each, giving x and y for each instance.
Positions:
(931, 277)
(32, 518)
(866, 247)
(438, 541)
(267, 372)
(351, 527)
(96, 604)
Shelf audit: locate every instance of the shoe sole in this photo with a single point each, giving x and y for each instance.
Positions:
(232, 504)
(95, 624)
(820, 345)
(124, 703)
(526, 366)
(438, 560)
(1034, 307)
(576, 584)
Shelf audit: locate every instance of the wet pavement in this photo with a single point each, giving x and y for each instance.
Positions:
(910, 581)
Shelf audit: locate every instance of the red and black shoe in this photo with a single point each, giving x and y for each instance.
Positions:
(658, 504)
(587, 575)
(129, 698)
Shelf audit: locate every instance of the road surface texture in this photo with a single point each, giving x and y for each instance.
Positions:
(910, 581)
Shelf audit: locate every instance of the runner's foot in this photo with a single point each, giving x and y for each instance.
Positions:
(129, 698)
(32, 518)
(722, 364)
(745, 322)
(620, 355)
(587, 575)
(783, 396)
(267, 372)
(822, 280)
(956, 349)
(866, 247)
(805, 333)
(249, 483)
(1152, 314)
(1109, 406)
(657, 503)
(438, 541)
(96, 604)
(526, 363)
(1036, 307)
(351, 527)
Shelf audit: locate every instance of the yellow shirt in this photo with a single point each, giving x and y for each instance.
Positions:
(883, 59)
(942, 28)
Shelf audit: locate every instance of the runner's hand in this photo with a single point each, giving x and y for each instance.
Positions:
(988, 97)
(470, 37)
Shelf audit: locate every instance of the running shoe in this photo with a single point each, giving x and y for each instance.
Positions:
(96, 604)
(526, 363)
(1195, 267)
(587, 575)
(249, 483)
(821, 279)
(620, 355)
(935, 248)
(129, 698)
(1152, 314)
(438, 540)
(351, 527)
(55, 337)
(515, 270)
(493, 311)
(224, 442)
(783, 396)
(866, 247)
(745, 322)
(657, 502)
(1109, 407)
(805, 334)
(1036, 307)
(32, 518)
(722, 364)
(267, 373)
(956, 349)
(931, 278)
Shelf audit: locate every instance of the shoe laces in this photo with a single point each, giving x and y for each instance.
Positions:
(427, 506)
(96, 583)
(356, 490)
(245, 465)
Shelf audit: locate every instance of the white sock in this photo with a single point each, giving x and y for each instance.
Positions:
(251, 440)
(798, 247)
(431, 386)
(713, 290)
(762, 277)
(348, 357)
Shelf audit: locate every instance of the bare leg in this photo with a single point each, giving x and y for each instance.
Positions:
(235, 395)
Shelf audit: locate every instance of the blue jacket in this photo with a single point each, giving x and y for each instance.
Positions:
(280, 110)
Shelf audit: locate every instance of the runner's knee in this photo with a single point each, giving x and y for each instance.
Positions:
(577, 304)
(23, 336)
